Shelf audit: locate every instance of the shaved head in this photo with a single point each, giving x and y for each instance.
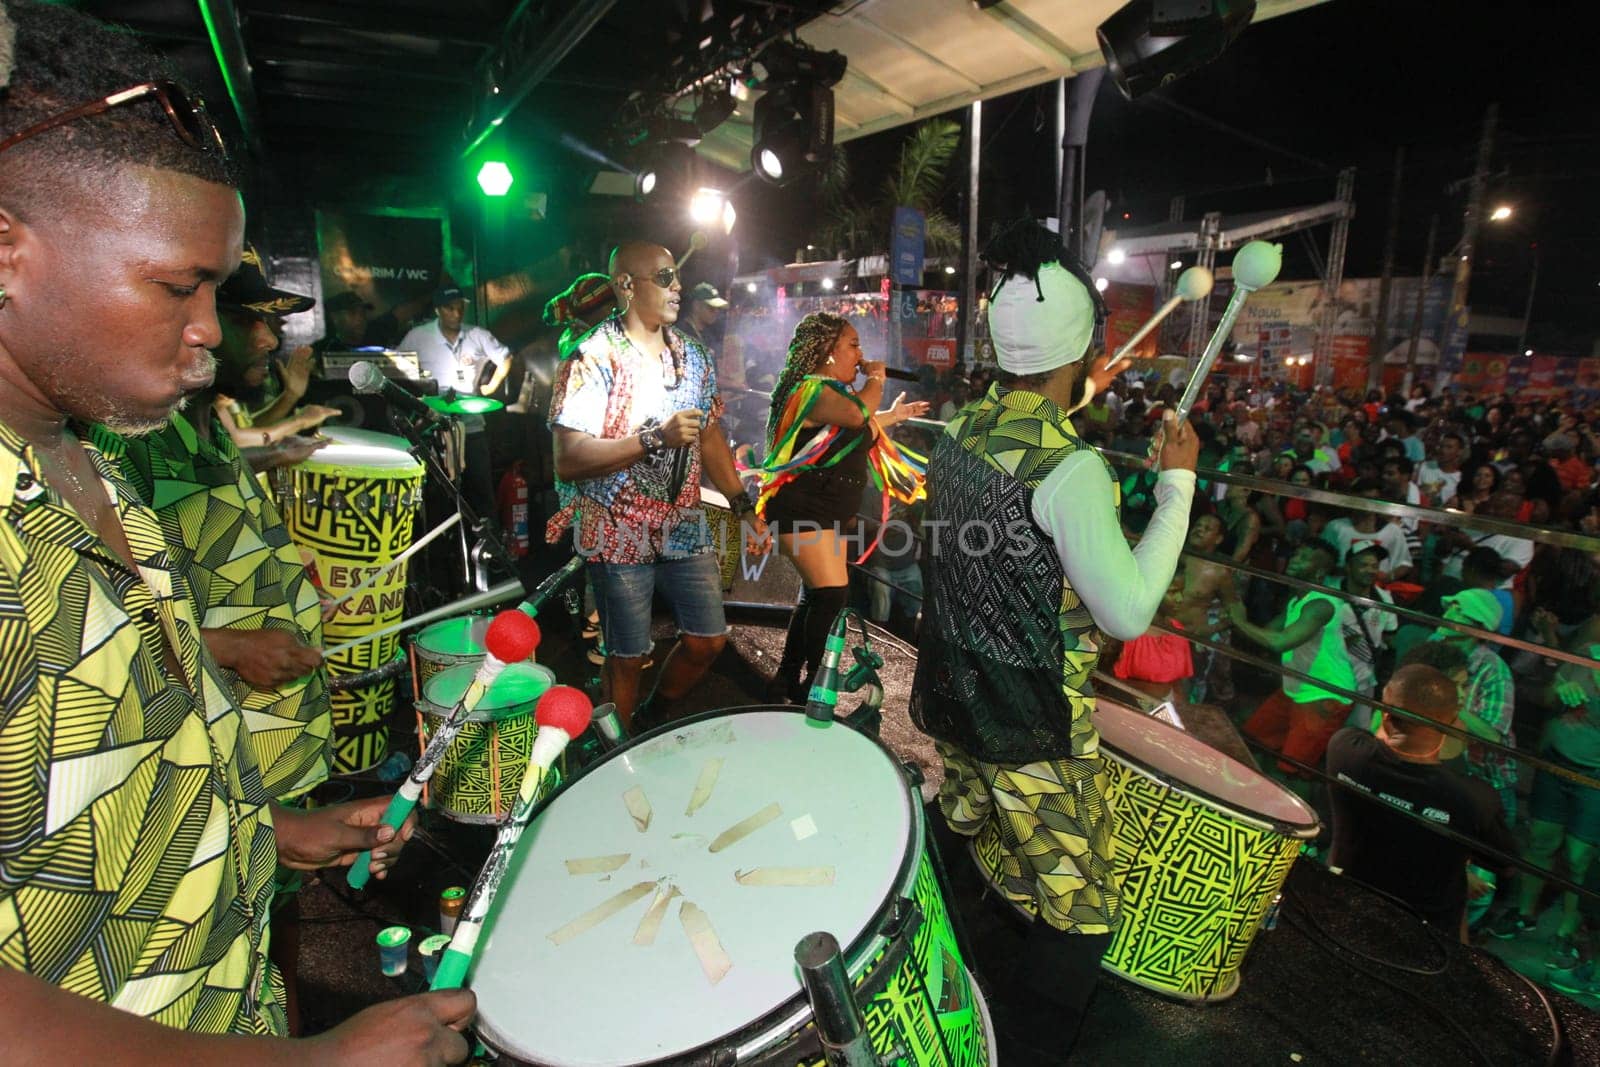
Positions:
(1423, 690)
(634, 257)
(637, 269)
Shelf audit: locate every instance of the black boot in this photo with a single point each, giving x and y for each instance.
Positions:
(785, 685)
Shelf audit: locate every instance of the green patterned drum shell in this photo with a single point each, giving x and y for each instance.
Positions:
(765, 827)
(479, 775)
(1203, 846)
(448, 643)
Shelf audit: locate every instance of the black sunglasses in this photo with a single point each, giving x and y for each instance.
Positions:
(664, 277)
(186, 114)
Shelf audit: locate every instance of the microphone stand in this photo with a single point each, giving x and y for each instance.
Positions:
(486, 548)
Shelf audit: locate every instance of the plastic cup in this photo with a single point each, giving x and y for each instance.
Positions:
(450, 904)
(430, 950)
(393, 941)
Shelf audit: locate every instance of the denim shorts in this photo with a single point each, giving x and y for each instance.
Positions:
(623, 592)
(1574, 807)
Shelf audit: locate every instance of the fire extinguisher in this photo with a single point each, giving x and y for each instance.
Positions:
(513, 498)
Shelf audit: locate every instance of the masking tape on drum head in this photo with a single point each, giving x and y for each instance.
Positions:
(703, 938)
(599, 914)
(703, 787)
(597, 864)
(739, 831)
(639, 807)
(651, 923)
(785, 876)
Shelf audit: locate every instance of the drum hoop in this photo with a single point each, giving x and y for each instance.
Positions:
(792, 1014)
(1300, 831)
(482, 714)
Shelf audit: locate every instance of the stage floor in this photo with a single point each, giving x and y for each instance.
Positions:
(1306, 996)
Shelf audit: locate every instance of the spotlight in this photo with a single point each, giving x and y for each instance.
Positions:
(1101, 284)
(705, 207)
(1149, 43)
(665, 168)
(644, 183)
(793, 130)
(1500, 213)
(1176, 264)
(949, 270)
(827, 283)
(1116, 257)
(750, 287)
(1527, 352)
(729, 216)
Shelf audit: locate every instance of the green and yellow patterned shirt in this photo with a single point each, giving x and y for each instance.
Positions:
(230, 541)
(136, 841)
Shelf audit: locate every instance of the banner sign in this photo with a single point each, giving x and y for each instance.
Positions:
(907, 243)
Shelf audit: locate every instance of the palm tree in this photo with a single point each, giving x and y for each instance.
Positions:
(854, 227)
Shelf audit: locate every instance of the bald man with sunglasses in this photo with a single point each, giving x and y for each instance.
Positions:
(635, 414)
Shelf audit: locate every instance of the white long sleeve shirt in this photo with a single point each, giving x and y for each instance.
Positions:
(1121, 587)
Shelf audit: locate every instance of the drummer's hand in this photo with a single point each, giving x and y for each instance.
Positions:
(1101, 374)
(422, 1029)
(264, 658)
(296, 372)
(297, 449)
(316, 414)
(683, 428)
(1180, 445)
(335, 835)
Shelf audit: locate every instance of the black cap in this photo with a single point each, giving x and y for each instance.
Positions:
(449, 295)
(708, 294)
(247, 289)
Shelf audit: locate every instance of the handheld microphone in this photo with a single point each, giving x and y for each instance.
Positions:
(366, 378)
(900, 374)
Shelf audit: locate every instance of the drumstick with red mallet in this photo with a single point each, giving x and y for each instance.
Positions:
(562, 714)
(511, 638)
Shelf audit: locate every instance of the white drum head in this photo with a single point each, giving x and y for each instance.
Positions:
(842, 823)
(362, 448)
(1200, 769)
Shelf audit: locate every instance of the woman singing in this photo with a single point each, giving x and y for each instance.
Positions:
(823, 442)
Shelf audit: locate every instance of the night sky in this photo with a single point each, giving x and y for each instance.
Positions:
(1338, 85)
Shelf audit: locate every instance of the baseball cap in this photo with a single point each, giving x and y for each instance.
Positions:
(449, 295)
(247, 289)
(1477, 606)
(708, 294)
(1362, 548)
(345, 301)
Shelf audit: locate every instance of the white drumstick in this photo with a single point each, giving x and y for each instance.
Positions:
(392, 564)
(1255, 266)
(497, 595)
(697, 241)
(1193, 284)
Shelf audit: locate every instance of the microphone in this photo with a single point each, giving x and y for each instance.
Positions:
(366, 378)
(900, 374)
(824, 695)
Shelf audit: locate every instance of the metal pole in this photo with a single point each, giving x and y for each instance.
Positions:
(969, 283)
(1422, 299)
(1380, 326)
(1527, 312)
(1473, 216)
(1061, 146)
(840, 1027)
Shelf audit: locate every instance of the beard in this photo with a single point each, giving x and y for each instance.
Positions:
(114, 411)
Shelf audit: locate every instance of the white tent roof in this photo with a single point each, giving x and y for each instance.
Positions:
(912, 59)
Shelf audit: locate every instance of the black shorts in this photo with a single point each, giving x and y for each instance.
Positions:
(826, 498)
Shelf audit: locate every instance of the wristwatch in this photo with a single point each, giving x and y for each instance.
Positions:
(650, 437)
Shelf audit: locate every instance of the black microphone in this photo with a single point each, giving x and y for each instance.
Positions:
(824, 695)
(899, 374)
(366, 378)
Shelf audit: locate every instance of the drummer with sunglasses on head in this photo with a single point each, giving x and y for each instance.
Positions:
(138, 840)
(635, 413)
(1011, 636)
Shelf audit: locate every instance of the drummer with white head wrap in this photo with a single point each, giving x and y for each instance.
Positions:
(1011, 629)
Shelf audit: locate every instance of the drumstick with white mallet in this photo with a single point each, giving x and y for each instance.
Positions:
(332, 608)
(562, 714)
(1255, 266)
(511, 638)
(1193, 284)
(697, 241)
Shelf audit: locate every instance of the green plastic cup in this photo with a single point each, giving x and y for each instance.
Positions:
(393, 941)
(430, 950)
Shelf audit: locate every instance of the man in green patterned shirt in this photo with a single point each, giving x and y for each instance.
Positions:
(137, 840)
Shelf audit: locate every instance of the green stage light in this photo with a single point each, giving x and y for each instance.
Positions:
(494, 178)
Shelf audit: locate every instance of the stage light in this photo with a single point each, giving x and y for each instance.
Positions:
(750, 287)
(665, 168)
(1116, 257)
(1150, 43)
(705, 207)
(827, 283)
(1176, 264)
(769, 165)
(1500, 213)
(1101, 284)
(793, 122)
(949, 270)
(494, 178)
(729, 216)
(1528, 352)
(644, 183)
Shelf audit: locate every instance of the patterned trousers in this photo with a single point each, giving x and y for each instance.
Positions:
(1043, 834)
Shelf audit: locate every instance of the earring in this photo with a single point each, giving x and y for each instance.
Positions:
(3, 297)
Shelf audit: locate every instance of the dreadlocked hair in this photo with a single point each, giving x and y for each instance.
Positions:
(64, 58)
(1025, 247)
(813, 341)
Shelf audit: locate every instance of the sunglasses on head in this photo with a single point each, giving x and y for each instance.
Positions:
(663, 277)
(186, 114)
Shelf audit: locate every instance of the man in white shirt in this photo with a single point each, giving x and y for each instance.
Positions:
(1358, 528)
(1438, 478)
(455, 354)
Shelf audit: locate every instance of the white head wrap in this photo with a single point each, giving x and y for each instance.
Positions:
(1033, 336)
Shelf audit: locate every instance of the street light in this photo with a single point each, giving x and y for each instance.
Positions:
(1116, 257)
(1500, 213)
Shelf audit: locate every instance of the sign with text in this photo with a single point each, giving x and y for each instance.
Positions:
(392, 263)
(907, 246)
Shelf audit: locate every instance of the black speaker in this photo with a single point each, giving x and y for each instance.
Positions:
(1149, 43)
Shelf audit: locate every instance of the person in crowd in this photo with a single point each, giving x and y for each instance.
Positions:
(705, 308)
(1515, 553)
(120, 750)
(1397, 487)
(1010, 640)
(1307, 453)
(1208, 589)
(347, 318)
(1479, 482)
(895, 590)
(1488, 703)
(1358, 527)
(1398, 770)
(1366, 629)
(1160, 664)
(1573, 473)
(1241, 523)
(1438, 478)
(1298, 719)
(825, 441)
(635, 414)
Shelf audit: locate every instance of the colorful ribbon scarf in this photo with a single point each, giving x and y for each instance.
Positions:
(898, 473)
